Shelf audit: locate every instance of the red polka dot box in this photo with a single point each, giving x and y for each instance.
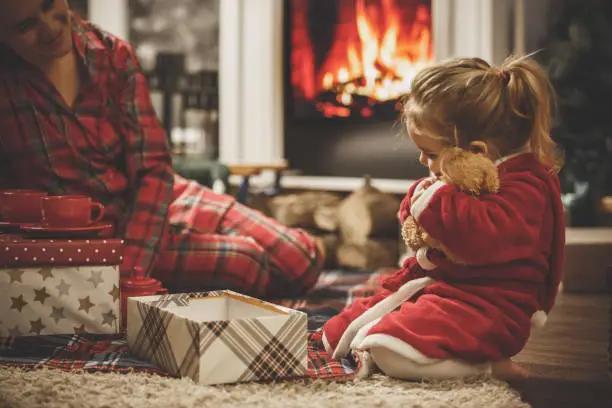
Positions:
(52, 286)
(19, 251)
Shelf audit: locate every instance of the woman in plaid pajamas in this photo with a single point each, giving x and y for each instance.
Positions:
(76, 117)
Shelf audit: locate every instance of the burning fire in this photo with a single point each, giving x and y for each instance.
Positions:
(374, 56)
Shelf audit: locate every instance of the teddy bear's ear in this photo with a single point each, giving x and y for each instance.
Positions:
(479, 147)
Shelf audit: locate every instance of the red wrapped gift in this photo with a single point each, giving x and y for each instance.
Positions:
(17, 251)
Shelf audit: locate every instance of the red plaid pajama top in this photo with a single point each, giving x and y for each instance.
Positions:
(110, 145)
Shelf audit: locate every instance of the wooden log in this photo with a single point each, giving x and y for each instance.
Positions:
(375, 253)
(326, 216)
(367, 213)
(260, 201)
(297, 210)
(330, 243)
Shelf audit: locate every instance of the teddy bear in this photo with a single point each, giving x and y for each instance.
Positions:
(471, 172)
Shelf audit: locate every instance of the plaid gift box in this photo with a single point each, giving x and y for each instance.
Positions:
(59, 286)
(218, 337)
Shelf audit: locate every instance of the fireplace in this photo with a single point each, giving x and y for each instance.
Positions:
(264, 118)
(355, 58)
(348, 63)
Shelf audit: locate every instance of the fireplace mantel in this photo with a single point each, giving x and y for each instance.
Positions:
(251, 78)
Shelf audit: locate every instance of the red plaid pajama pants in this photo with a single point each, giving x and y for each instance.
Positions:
(215, 242)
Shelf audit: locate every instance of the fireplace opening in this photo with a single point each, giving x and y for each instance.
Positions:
(348, 63)
(356, 57)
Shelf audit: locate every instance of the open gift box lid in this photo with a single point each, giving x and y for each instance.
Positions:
(218, 337)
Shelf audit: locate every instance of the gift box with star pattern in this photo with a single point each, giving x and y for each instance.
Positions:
(59, 286)
(218, 337)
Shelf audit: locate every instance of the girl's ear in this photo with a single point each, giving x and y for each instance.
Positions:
(479, 147)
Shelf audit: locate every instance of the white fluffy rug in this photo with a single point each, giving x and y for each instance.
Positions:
(54, 388)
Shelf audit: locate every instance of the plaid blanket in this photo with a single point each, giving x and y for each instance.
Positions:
(334, 290)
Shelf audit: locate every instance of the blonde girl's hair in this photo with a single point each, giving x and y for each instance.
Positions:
(464, 100)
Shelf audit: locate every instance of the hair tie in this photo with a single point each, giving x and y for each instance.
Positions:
(503, 74)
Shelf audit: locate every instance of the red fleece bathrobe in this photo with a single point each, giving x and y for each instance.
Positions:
(512, 243)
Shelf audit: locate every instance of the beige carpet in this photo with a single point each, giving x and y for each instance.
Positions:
(46, 388)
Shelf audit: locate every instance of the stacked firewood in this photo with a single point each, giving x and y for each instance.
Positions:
(360, 230)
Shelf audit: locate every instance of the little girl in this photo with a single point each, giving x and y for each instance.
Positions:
(439, 319)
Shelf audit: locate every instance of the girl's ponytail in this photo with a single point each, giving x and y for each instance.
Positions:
(530, 96)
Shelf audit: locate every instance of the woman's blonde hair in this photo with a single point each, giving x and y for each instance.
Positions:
(464, 100)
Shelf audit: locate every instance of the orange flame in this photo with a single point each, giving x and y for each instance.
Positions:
(374, 55)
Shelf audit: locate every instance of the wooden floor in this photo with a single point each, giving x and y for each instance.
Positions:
(568, 359)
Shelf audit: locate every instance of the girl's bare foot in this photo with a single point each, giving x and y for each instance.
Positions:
(508, 370)
(368, 366)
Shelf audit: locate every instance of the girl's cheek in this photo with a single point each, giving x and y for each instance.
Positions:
(434, 167)
(423, 160)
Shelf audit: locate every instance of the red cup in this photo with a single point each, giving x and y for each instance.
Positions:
(21, 206)
(135, 286)
(70, 211)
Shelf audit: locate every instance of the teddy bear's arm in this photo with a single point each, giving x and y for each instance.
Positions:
(413, 234)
